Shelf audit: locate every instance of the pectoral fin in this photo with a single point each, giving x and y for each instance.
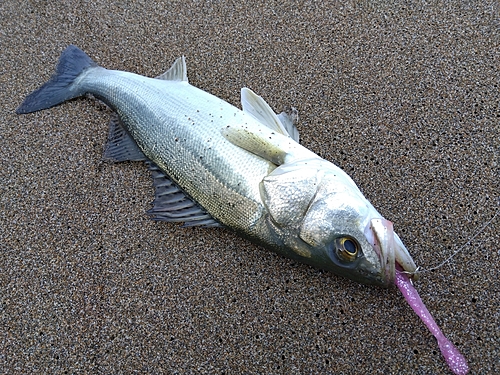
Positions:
(263, 143)
(276, 140)
(266, 143)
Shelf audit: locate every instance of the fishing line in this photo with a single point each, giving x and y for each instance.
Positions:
(418, 270)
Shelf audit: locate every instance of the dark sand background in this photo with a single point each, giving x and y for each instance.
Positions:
(404, 98)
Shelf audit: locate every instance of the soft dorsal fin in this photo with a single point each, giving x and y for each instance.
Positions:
(120, 146)
(177, 72)
(257, 107)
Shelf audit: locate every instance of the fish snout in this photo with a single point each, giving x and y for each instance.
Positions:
(390, 249)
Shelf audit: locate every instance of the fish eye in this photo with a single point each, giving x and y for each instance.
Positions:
(346, 248)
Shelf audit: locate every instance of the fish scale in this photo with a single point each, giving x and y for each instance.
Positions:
(241, 167)
(175, 135)
(244, 169)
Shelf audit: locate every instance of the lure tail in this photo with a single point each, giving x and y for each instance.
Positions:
(61, 86)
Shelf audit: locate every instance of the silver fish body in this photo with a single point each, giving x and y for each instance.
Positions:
(243, 169)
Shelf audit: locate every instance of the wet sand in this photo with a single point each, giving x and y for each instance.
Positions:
(404, 98)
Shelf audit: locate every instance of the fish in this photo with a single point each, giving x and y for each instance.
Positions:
(215, 165)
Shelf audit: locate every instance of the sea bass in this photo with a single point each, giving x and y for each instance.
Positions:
(216, 165)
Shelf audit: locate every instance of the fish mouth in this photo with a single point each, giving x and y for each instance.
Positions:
(390, 249)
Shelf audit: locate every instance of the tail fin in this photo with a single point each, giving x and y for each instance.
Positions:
(60, 87)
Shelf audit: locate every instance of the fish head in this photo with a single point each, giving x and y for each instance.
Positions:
(321, 218)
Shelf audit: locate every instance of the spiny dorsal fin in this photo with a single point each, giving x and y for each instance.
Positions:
(257, 107)
(173, 205)
(177, 72)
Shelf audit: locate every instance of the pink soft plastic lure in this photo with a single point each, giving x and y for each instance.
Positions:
(453, 357)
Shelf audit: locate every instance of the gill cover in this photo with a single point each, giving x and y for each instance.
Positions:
(320, 215)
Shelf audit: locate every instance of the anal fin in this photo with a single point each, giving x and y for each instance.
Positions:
(177, 71)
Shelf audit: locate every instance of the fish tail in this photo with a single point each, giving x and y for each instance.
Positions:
(61, 86)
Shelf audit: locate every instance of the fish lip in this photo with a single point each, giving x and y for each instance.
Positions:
(382, 238)
(404, 259)
(390, 249)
